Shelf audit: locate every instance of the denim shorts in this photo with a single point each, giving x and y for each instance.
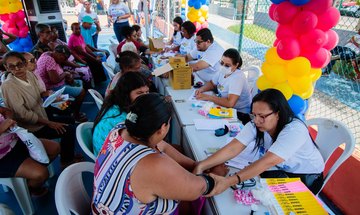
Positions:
(73, 90)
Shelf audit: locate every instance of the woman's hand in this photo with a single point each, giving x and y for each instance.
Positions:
(59, 127)
(6, 124)
(220, 169)
(221, 184)
(198, 168)
(202, 96)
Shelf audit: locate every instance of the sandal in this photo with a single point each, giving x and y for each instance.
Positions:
(81, 117)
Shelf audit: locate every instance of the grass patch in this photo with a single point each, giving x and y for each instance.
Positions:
(256, 33)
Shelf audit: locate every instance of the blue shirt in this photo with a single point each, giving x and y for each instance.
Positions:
(87, 34)
(111, 118)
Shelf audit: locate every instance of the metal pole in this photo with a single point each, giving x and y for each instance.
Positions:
(146, 12)
(168, 18)
(242, 23)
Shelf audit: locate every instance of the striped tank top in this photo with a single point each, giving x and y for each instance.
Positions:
(112, 188)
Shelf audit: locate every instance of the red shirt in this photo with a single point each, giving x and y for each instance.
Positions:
(118, 49)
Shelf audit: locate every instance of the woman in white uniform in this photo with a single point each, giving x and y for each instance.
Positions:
(283, 141)
(231, 85)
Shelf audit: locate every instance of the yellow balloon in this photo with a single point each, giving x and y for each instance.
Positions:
(204, 8)
(263, 83)
(183, 1)
(298, 66)
(307, 94)
(285, 89)
(190, 9)
(272, 56)
(300, 85)
(274, 72)
(315, 74)
(191, 17)
(183, 5)
(201, 20)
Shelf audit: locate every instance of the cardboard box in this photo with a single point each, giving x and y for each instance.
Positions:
(180, 73)
(156, 44)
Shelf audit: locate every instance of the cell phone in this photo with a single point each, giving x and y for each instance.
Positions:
(179, 100)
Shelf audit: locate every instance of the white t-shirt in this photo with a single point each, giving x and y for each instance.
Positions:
(293, 144)
(92, 14)
(187, 45)
(352, 46)
(235, 84)
(116, 10)
(177, 38)
(79, 8)
(211, 56)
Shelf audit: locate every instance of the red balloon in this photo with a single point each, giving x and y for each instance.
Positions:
(23, 32)
(197, 25)
(5, 27)
(21, 23)
(329, 19)
(272, 10)
(285, 12)
(318, 59)
(13, 17)
(14, 31)
(4, 17)
(313, 40)
(304, 22)
(204, 25)
(318, 6)
(20, 14)
(288, 48)
(332, 39)
(285, 31)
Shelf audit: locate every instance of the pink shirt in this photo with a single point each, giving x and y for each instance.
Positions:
(77, 40)
(45, 64)
(7, 140)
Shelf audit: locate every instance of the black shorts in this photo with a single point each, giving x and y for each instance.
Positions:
(12, 160)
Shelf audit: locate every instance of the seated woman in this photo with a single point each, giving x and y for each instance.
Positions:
(22, 94)
(283, 141)
(130, 40)
(175, 41)
(135, 171)
(15, 160)
(49, 68)
(187, 44)
(116, 104)
(77, 45)
(130, 61)
(74, 62)
(231, 84)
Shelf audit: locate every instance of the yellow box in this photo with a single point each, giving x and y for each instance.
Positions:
(180, 76)
(156, 44)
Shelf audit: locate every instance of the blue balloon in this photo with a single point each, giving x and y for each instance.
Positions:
(197, 5)
(306, 106)
(277, 1)
(191, 3)
(297, 104)
(299, 2)
(301, 116)
(203, 2)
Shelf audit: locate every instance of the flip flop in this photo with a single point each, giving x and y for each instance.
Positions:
(81, 117)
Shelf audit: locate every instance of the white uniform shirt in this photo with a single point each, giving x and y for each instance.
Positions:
(116, 10)
(177, 38)
(293, 144)
(92, 14)
(187, 45)
(235, 84)
(211, 56)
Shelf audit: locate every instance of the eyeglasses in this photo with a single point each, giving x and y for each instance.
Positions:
(32, 60)
(19, 65)
(223, 64)
(261, 117)
(199, 41)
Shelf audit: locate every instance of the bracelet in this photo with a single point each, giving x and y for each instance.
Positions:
(239, 179)
(210, 183)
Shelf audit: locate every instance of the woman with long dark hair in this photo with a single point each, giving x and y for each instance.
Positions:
(283, 142)
(116, 104)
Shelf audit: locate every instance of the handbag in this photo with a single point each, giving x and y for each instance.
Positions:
(34, 145)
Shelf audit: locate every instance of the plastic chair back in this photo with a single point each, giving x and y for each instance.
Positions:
(71, 196)
(331, 134)
(252, 73)
(97, 97)
(109, 70)
(84, 137)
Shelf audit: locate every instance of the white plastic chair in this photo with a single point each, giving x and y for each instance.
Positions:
(84, 137)
(97, 97)
(70, 194)
(21, 192)
(252, 73)
(109, 70)
(331, 134)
